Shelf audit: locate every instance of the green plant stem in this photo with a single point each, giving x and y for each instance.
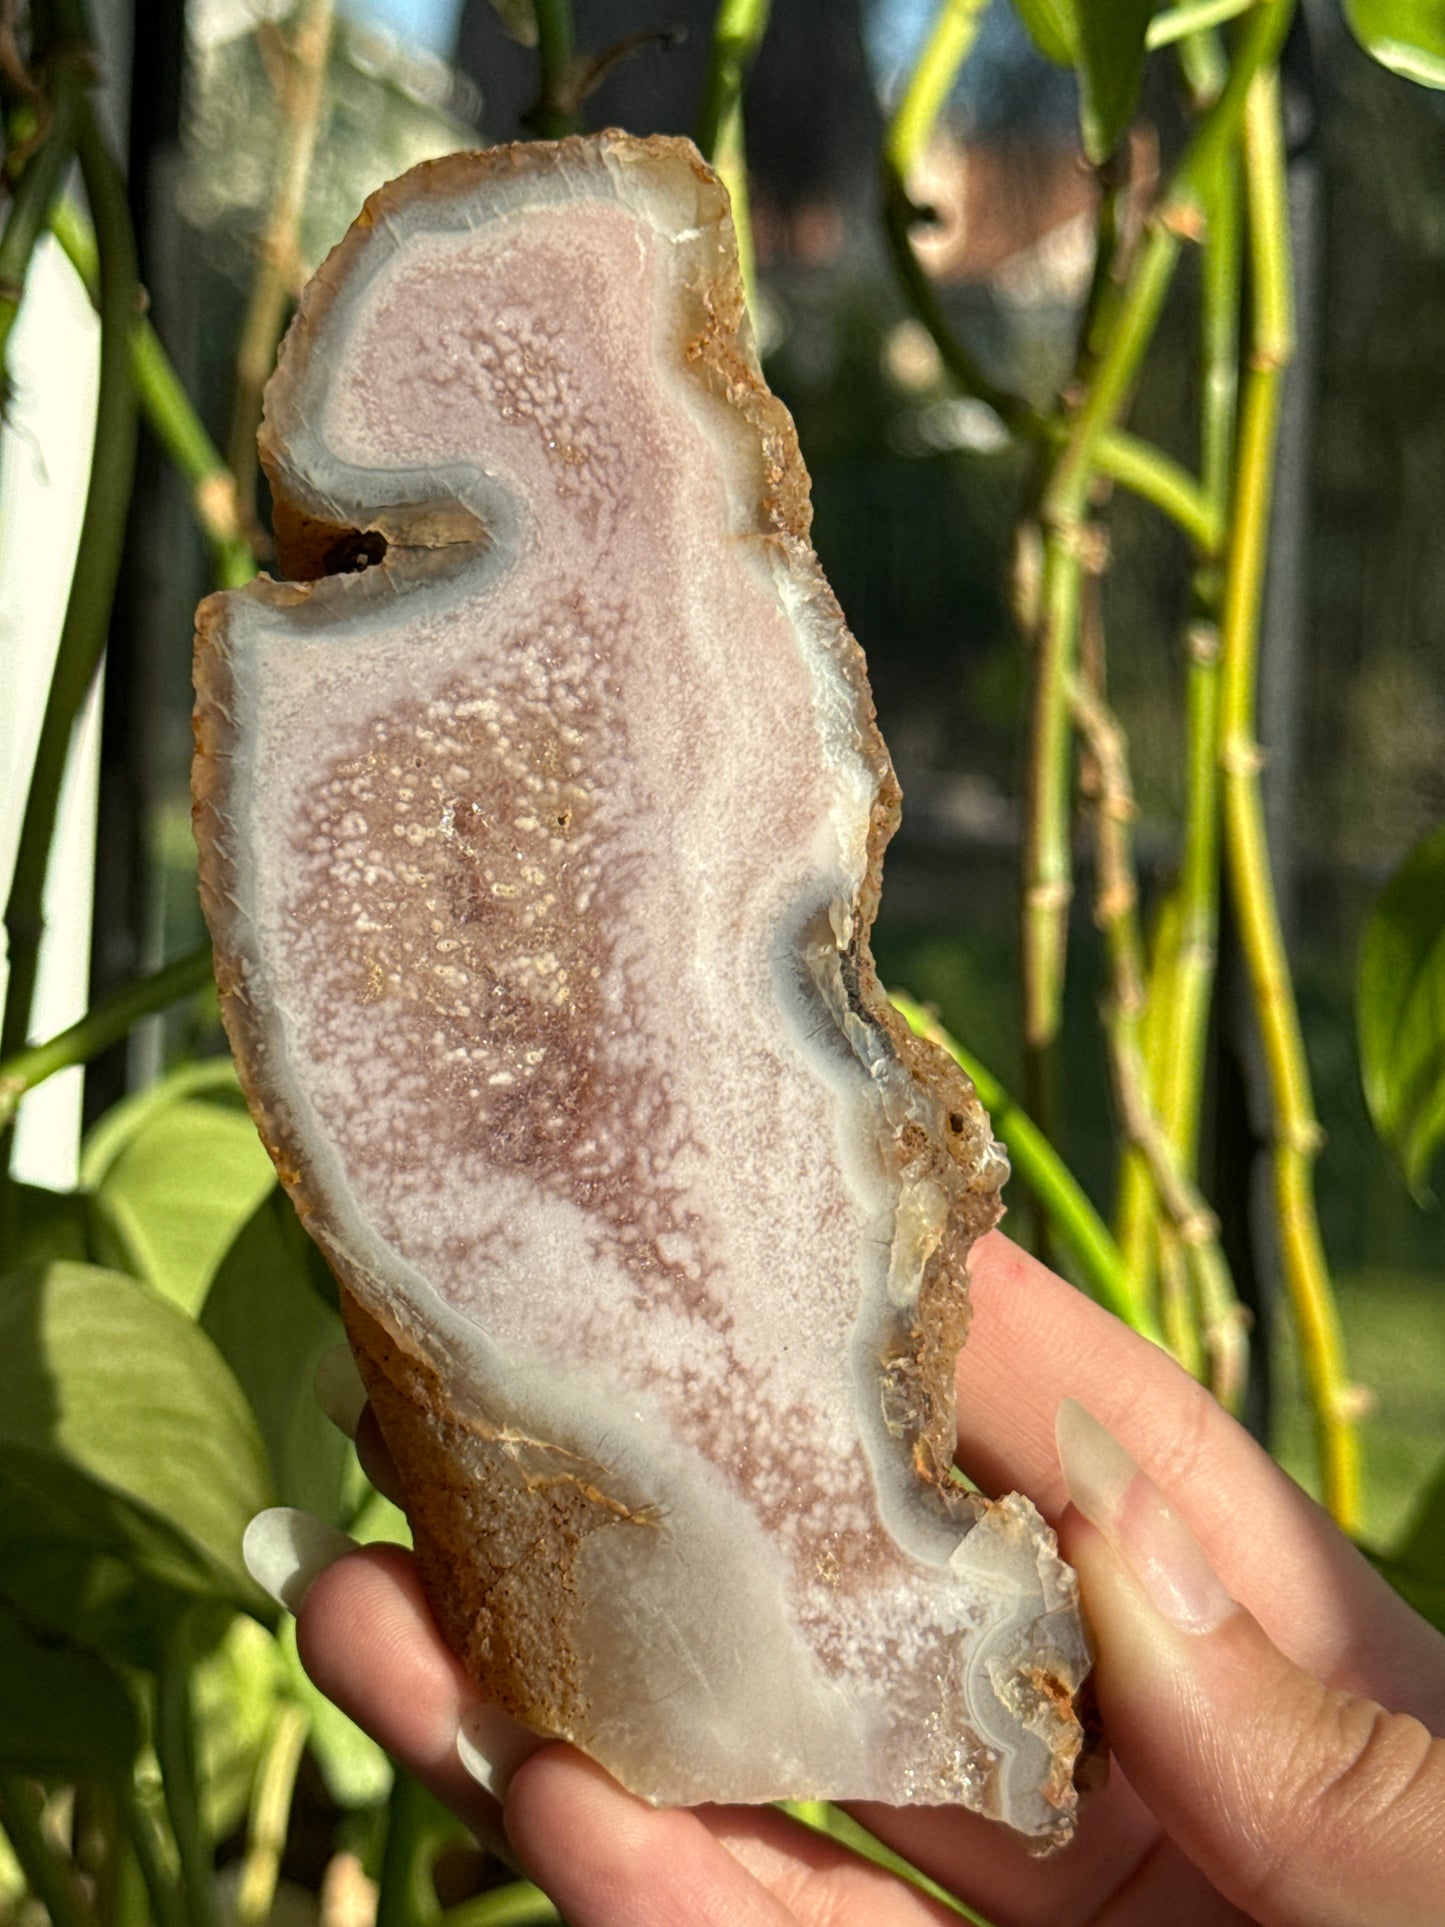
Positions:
(104, 1024)
(555, 114)
(301, 101)
(92, 589)
(1181, 978)
(1185, 1019)
(518, 1905)
(1078, 1226)
(1124, 458)
(403, 1896)
(1192, 1225)
(949, 43)
(1177, 23)
(270, 1816)
(170, 416)
(1295, 1129)
(1063, 506)
(167, 1909)
(35, 193)
(737, 34)
(48, 1873)
(736, 37)
(175, 1744)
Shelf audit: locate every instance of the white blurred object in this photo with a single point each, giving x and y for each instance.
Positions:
(45, 445)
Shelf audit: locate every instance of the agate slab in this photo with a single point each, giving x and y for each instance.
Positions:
(541, 856)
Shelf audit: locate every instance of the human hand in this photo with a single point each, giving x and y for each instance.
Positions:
(1268, 1699)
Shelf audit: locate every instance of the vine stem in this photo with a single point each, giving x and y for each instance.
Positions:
(1194, 1228)
(1185, 942)
(167, 1909)
(104, 1024)
(87, 613)
(404, 1876)
(1296, 1131)
(170, 417)
(35, 193)
(300, 99)
(1126, 459)
(736, 37)
(175, 1745)
(1078, 1226)
(519, 1904)
(48, 1874)
(1063, 506)
(555, 113)
(270, 1814)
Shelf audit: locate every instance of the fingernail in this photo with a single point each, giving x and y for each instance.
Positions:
(1129, 1509)
(339, 1390)
(285, 1549)
(491, 1745)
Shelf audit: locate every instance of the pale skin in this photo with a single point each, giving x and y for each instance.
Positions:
(1271, 1705)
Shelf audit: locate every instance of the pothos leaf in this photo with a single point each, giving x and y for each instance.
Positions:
(1111, 48)
(121, 1429)
(1400, 1009)
(1407, 36)
(1053, 27)
(1106, 44)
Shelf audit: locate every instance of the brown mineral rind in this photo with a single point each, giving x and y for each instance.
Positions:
(499, 1518)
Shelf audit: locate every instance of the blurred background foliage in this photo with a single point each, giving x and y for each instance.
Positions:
(161, 1315)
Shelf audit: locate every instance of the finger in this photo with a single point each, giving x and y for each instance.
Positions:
(1036, 1341)
(1306, 1806)
(610, 1860)
(367, 1638)
(994, 1871)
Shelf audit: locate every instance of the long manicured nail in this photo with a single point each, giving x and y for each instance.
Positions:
(285, 1549)
(1131, 1512)
(339, 1390)
(491, 1745)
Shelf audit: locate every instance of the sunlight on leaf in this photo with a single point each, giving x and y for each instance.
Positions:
(1400, 1009)
(121, 1429)
(1407, 36)
(184, 1173)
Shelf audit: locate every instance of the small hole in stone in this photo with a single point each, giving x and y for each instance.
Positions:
(358, 550)
(955, 1120)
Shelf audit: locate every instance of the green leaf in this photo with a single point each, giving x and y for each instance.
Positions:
(1416, 1568)
(1053, 27)
(45, 1225)
(1111, 46)
(1407, 36)
(172, 1182)
(519, 18)
(122, 1430)
(63, 1712)
(1400, 1010)
(94, 1598)
(1104, 40)
(267, 1319)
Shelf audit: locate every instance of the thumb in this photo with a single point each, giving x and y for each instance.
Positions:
(1305, 1806)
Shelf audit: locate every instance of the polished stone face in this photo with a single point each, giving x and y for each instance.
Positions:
(540, 859)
